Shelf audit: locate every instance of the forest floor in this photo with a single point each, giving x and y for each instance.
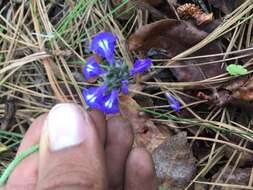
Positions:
(192, 109)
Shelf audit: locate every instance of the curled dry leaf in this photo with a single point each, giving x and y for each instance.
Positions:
(167, 34)
(145, 131)
(174, 162)
(238, 177)
(170, 36)
(190, 10)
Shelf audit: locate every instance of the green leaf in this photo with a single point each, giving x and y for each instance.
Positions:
(234, 69)
(162, 188)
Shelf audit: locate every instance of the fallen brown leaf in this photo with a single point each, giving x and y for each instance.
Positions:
(168, 34)
(146, 132)
(174, 162)
(173, 37)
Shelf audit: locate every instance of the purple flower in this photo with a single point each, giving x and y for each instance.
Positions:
(94, 95)
(104, 44)
(174, 103)
(92, 69)
(141, 65)
(115, 76)
(110, 103)
(124, 86)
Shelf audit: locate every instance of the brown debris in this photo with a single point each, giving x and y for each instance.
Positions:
(190, 10)
(174, 162)
(146, 132)
(169, 35)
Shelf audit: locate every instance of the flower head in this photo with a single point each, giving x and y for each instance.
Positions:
(141, 65)
(174, 103)
(93, 96)
(110, 103)
(115, 76)
(92, 69)
(104, 44)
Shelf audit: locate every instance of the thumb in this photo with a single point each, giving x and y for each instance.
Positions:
(71, 155)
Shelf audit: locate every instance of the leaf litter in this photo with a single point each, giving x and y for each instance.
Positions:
(207, 143)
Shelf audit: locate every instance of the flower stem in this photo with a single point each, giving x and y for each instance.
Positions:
(7, 172)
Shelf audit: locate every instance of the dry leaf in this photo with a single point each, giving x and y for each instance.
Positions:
(174, 162)
(145, 131)
(167, 34)
(170, 36)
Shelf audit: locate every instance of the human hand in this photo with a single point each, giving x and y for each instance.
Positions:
(81, 150)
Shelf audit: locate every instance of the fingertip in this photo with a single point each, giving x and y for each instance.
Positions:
(71, 154)
(118, 145)
(141, 163)
(140, 172)
(119, 132)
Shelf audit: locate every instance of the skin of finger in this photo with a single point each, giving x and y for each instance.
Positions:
(100, 124)
(25, 174)
(118, 145)
(78, 167)
(140, 171)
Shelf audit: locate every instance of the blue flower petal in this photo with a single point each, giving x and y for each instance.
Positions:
(174, 103)
(124, 87)
(92, 69)
(140, 66)
(93, 96)
(110, 103)
(104, 44)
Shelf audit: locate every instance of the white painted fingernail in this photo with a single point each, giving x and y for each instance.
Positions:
(67, 126)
